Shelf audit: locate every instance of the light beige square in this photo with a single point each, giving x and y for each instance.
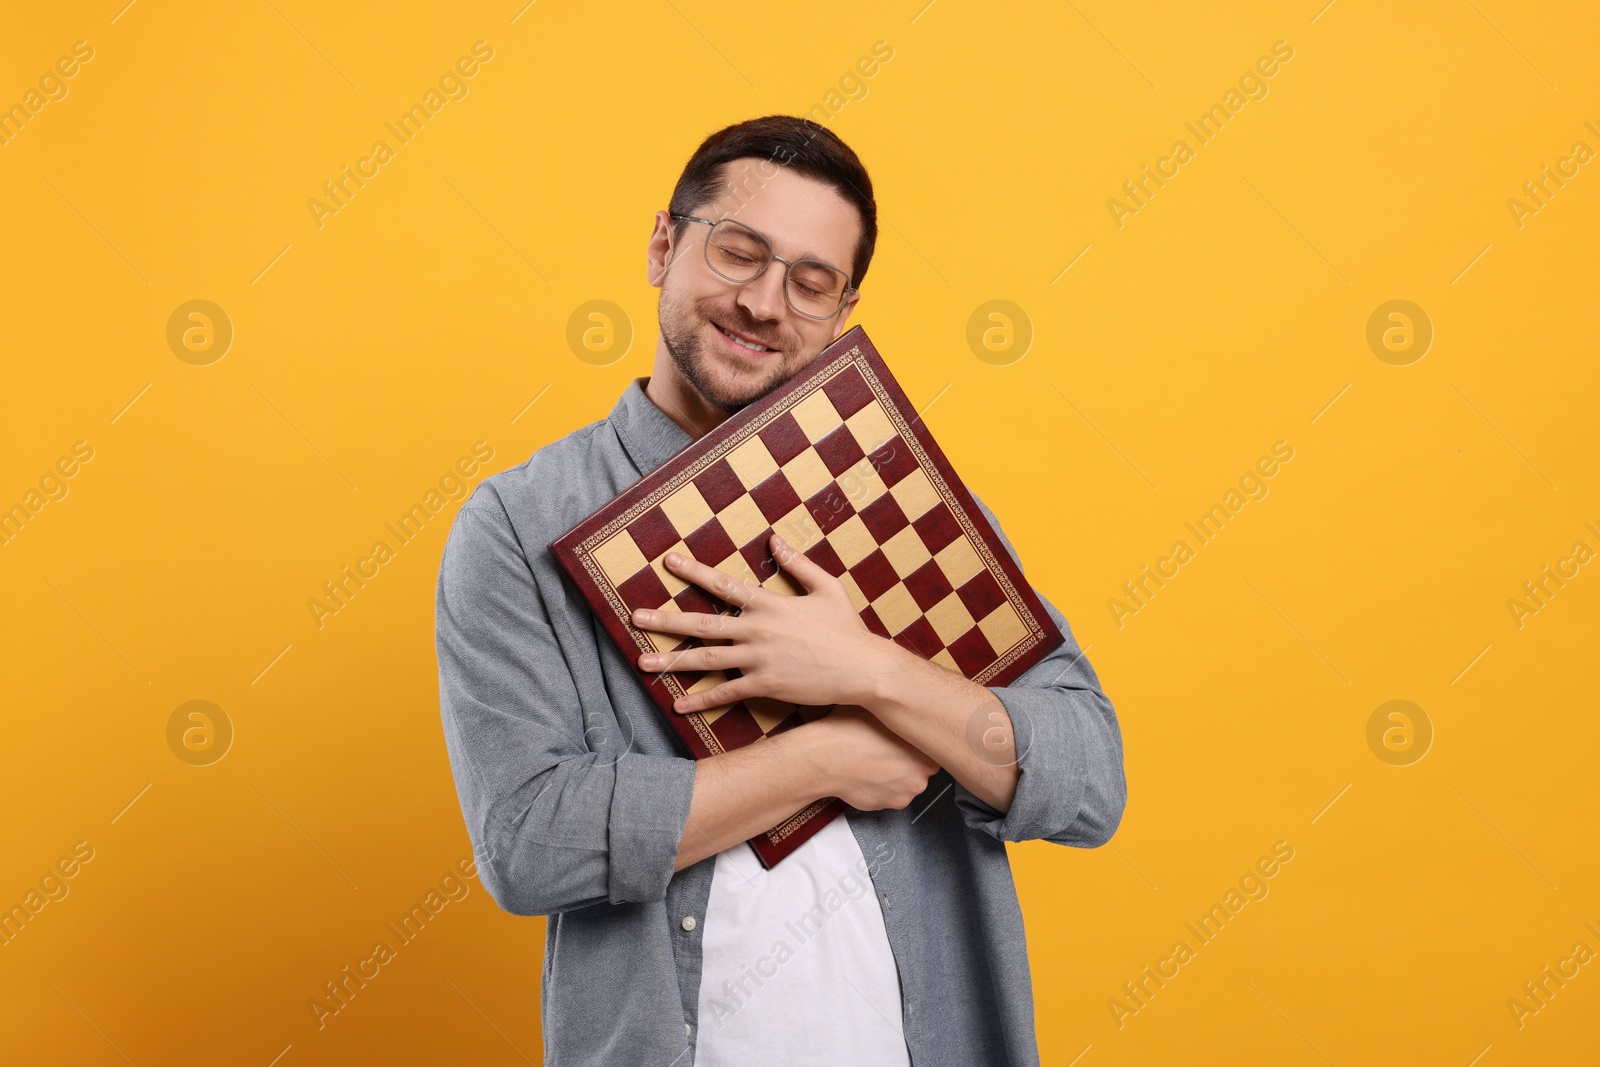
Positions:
(816, 416)
(1003, 627)
(686, 510)
(674, 584)
(944, 659)
(665, 642)
(752, 463)
(871, 426)
(914, 493)
(959, 561)
(861, 483)
(799, 529)
(852, 540)
(906, 552)
(807, 473)
(669, 644)
(782, 583)
(736, 566)
(896, 608)
(950, 619)
(620, 558)
(742, 521)
(706, 681)
(768, 712)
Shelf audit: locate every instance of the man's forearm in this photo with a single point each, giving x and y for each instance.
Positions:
(741, 793)
(959, 724)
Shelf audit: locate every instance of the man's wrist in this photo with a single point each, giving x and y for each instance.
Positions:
(884, 674)
(807, 752)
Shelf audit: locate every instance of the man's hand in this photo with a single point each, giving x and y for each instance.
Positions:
(812, 649)
(869, 766)
(815, 650)
(846, 754)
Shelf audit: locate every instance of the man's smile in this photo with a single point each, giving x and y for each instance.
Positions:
(742, 343)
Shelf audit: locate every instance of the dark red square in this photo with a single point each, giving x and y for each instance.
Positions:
(775, 497)
(736, 727)
(653, 533)
(830, 507)
(928, 585)
(643, 590)
(693, 598)
(719, 485)
(789, 723)
(875, 624)
(937, 527)
(839, 451)
(981, 594)
(883, 518)
(893, 460)
(848, 391)
(710, 544)
(972, 652)
(921, 638)
(823, 555)
(874, 575)
(758, 557)
(685, 678)
(784, 438)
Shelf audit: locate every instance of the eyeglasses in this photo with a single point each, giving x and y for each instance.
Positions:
(734, 251)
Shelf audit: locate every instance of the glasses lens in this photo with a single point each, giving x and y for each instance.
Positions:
(735, 252)
(815, 288)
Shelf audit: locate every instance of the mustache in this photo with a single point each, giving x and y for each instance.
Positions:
(738, 324)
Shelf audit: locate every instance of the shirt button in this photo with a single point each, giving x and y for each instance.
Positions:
(688, 923)
(687, 1030)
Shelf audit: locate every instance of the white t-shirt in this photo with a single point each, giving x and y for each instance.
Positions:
(797, 967)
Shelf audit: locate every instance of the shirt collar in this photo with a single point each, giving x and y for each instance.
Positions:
(647, 434)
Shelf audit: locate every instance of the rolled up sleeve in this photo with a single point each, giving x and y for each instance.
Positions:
(559, 819)
(1071, 789)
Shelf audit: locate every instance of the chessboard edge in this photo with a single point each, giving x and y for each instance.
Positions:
(770, 853)
(1052, 635)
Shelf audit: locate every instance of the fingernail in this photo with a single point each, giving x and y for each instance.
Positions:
(673, 559)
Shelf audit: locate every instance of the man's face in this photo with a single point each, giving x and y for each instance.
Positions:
(803, 219)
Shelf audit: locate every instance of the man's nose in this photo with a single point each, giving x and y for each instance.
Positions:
(763, 297)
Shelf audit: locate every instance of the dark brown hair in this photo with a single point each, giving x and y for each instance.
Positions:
(812, 150)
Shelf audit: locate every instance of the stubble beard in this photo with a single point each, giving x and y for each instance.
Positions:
(722, 382)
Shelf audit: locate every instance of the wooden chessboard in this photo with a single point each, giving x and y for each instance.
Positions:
(839, 464)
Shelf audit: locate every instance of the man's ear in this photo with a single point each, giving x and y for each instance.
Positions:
(659, 253)
(845, 313)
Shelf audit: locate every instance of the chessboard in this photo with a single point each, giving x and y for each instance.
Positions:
(837, 461)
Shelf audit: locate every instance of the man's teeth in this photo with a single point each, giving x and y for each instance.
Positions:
(747, 344)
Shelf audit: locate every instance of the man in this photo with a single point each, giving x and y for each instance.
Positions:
(894, 935)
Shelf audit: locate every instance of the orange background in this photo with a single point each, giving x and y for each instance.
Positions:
(1228, 313)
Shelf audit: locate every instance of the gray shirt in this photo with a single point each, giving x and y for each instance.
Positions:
(576, 792)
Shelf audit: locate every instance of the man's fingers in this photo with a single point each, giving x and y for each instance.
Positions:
(799, 566)
(707, 658)
(718, 695)
(688, 623)
(720, 584)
